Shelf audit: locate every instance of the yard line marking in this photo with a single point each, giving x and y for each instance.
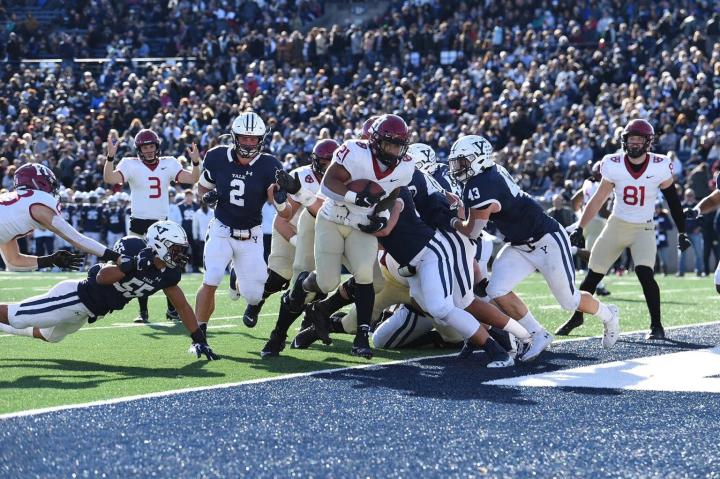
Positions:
(174, 392)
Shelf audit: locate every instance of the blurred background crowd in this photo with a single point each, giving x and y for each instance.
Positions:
(548, 82)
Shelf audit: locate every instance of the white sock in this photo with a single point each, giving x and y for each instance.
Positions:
(5, 328)
(603, 313)
(516, 329)
(530, 323)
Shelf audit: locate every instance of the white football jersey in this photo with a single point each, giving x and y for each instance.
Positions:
(15, 218)
(309, 189)
(149, 185)
(636, 193)
(355, 157)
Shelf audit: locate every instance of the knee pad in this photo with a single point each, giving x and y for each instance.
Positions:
(439, 308)
(495, 290)
(52, 335)
(213, 275)
(252, 291)
(275, 283)
(570, 302)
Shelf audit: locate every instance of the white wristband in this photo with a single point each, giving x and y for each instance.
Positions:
(350, 196)
(280, 207)
(454, 221)
(293, 240)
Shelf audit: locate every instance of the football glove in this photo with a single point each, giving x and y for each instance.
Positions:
(280, 196)
(145, 259)
(200, 346)
(683, 241)
(287, 182)
(210, 198)
(61, 259)
(690, 213)
(577, 239)
(366, 199)
(376, 224)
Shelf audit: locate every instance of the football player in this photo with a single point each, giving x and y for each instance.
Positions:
(143, 270)
(91, 216)
(347, 219)
(426, 161)
(534, 240)
(149, 176)
(34, 204)
(239, 179)
(706, 205)
(114, 220)
(636, 177)
(293, 242)
(591, 232)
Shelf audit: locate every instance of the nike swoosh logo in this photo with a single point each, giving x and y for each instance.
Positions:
(162, 168)
(650, 176)
(394, 180)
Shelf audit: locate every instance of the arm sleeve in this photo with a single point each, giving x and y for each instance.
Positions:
(207, 180)
(671, 196)
(78, 240)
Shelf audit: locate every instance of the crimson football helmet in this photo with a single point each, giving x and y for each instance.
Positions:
(638, 127)
(147, 137)
(367, 126)
(389, 130)
(34, 176)
(321, 155)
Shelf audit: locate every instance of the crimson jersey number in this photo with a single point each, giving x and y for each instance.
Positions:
(155, 185)
(633, 195)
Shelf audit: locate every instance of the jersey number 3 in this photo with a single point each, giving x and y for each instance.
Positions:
(634, 195)
(155, 185)
(237, 192)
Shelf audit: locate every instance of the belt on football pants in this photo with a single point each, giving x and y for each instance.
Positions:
(242, 235)
(530, 245)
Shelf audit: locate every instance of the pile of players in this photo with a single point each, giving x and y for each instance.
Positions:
(408, 230)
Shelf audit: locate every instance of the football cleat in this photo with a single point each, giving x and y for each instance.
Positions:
(611, 331)
(467, 350)
(602, 292)
(361, 344)
(656, 333)
(142, 318)
(501, 361)
(540, 341)
(304, 338)
(172, 315)
(274, 346)
(317, 317)
(250, 316)
(572, 323)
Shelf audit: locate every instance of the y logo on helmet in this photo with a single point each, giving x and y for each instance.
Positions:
(161, 229)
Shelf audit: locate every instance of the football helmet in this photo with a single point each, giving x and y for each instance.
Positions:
(367, 126)
(169, 242)
(129, 245)
(470, 156)
(386, 131)
(246, 125)
(34, 176)
(147, 137)
(637, 127)
(92, 198)
(321, 155)
(423, 155)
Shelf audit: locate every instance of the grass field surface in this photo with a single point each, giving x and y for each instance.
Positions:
(115, 357)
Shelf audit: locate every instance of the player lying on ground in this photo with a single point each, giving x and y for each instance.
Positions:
(142, 271)
(35, 204)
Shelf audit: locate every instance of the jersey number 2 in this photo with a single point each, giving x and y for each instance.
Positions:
(237, 192)
(155, 185)
(634, 195)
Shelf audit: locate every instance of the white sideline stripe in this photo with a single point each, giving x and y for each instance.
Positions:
(173, 392)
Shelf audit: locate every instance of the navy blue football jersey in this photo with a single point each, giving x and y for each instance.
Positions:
(521, 218)
(91, 216)
(242, 190)
(102, 299)
(410, 235)
(187, 212)
(68, 213)
(114, 220)
(430, 200)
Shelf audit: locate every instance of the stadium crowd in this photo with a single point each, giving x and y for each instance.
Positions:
(549, 83)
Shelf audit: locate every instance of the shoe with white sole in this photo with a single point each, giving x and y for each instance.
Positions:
(611, 331)
(501, 361)
(540, 341)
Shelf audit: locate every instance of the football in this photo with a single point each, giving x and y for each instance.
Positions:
(359, 185)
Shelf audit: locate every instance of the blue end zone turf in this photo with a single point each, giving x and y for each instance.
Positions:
(429, 417)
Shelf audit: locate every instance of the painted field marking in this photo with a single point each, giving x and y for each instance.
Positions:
(686, 371)
(33, 412)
